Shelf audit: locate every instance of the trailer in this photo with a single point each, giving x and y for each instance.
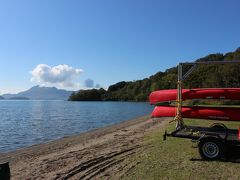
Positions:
(212, 141)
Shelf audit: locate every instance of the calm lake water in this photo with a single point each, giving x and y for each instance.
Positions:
(24, 123)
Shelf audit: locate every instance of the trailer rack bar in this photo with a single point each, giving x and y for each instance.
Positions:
(181, 77)
(212, 141)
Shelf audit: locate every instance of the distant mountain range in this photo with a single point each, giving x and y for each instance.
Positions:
(40, 93)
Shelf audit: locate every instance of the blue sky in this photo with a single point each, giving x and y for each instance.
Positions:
(110, 40)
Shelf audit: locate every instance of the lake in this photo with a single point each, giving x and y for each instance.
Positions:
(25, 123)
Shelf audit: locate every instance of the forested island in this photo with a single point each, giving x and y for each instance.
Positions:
(204, 76)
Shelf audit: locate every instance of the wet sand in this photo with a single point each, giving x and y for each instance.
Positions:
(103, 153)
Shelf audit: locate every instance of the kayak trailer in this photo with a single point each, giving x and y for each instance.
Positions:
(212, 141)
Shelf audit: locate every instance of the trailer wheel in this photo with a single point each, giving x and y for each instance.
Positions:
(218, 126)
(211, 148)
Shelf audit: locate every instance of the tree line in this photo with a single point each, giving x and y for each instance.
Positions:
(205, 76)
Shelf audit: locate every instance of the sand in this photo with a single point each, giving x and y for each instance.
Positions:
(103, 153)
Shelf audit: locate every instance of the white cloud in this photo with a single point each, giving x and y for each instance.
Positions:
(89, 83)
(60, 75)
(98, 86)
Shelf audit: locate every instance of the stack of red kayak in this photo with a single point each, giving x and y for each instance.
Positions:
(215, 113)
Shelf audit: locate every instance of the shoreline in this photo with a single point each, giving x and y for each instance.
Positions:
(72, 139)
(57, 159)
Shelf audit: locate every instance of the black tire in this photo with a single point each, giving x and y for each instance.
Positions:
(211, 148)
(218, 126)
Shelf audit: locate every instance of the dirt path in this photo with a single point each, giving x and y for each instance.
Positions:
(100, 153)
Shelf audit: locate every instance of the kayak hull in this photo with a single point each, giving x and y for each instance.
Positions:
(196, 112)
(210, 93)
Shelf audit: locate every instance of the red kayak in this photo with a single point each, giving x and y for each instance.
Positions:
(197, 112)
(210, 93)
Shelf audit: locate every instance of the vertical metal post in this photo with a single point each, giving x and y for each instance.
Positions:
(181, 78)
(178, 116)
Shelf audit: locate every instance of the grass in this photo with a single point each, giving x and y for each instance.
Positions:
(178, 159)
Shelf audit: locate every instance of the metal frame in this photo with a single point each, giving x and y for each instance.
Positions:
(196, 134)
(181, 77)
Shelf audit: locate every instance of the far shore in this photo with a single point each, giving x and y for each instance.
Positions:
(98, 153)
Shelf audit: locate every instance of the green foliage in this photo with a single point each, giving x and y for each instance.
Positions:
(88, 95)
(117, 86)
(205, 76)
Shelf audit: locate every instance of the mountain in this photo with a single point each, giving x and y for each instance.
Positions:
(204, 76)
(41, 93)
(1, 98)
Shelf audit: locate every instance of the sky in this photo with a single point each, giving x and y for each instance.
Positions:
(79, 44)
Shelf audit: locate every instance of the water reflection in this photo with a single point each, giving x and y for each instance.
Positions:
(24, 123)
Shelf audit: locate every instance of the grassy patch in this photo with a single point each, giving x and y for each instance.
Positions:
(178, 159)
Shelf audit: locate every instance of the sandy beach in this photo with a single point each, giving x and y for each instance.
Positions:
(101, 153)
